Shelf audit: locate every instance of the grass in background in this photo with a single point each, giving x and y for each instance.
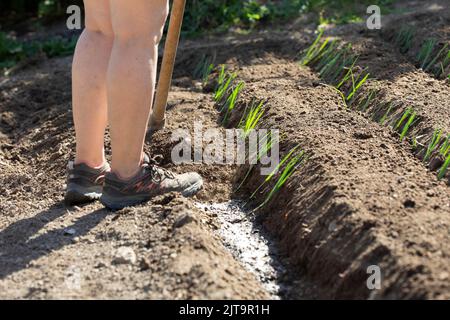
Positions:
(13, 51)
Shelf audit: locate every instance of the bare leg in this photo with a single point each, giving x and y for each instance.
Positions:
(138, 27)
(89, 71)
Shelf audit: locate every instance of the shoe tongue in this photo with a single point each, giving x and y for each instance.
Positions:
(145, 159)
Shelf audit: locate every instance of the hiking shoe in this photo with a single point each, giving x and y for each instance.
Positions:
(84, 184)
(149, 182)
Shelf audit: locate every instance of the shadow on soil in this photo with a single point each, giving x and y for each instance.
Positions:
(20, 245)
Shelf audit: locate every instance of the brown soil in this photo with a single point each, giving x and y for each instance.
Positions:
(361, 199)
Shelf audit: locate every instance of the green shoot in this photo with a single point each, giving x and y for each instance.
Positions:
(231, 101)
(438, 56)
(348, 74)
(277, 168)
(356, 88)
(204, 68)
(369, 99)
(403, 118)
(405, 130)
(223, 87)
(404, 38)
(267, 143)
(386, 115)
(342, 96)
(433, 144)
(222, 75)
(313, 50)
(254, 115)
(445, 148)
(426, 51)
(444, 168)
(288, 171)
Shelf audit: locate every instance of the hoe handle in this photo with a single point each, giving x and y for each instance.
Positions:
(158, 120)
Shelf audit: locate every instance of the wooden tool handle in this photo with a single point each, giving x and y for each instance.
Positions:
(157, 120)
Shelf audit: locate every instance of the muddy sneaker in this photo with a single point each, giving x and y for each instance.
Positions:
(149, 182)
(84, 184)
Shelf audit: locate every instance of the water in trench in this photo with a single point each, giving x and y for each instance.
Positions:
(251, 246)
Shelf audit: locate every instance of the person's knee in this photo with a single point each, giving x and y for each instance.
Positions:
(143, 29)
(98, 17)
(100, 27)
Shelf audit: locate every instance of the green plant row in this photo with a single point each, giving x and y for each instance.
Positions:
(226, 95)
(336, 64)
(433, 56)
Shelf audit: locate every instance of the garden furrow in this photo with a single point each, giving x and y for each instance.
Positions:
(387, 89)
(360, 199)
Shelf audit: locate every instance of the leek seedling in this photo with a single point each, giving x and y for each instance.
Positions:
(313, 50)
(386, 115)
(222, 75)
(267, 143)
(444, 168)
(445, 148)
(403, 118)
(231, 101)
(288, 171)
(438, 56)
(254, 115)
(274, 172)
(326, 56)
(356, 88)
(348, 74)
(204, 68)
(433, 144)
(444, 64)
(412, 116)
(341, 94)
(426, 51)
(404, 38)
(224, 87)
(369, 99)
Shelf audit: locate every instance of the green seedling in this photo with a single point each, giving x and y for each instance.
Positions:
(405, 38)
(445, 148)
(426, 51)
(348, 74)
(293, 164)
(224, 87)
(204, 68)
(433, 144)
(411, 116)
(326, 56)
(230, 102)
(386, 114)
(274, 172)
(341, 94)
(254, 115)
(313, 50)
(436, 58)
(356, 87)
(369, 99)
(444, 64)
(267, 143)
(444, 168)
(221, 77)
(348, 61)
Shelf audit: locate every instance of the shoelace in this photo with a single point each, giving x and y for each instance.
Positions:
(157, 173)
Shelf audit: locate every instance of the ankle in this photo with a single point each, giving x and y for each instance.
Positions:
(94, 164)
(126, 174)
